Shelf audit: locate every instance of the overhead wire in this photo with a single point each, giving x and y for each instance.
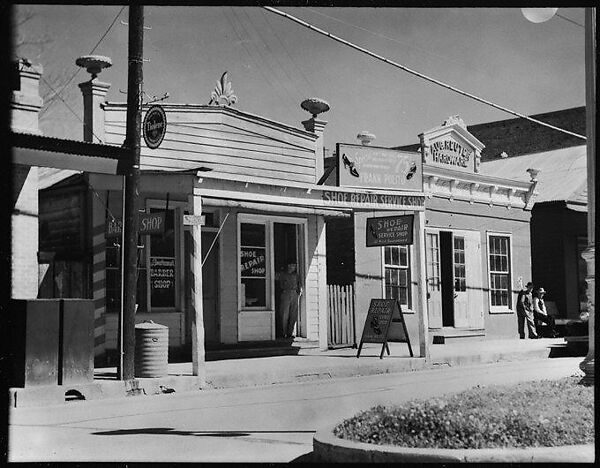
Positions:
(313, 89)
(69, 107)
(265, 61)
(250, 56)
(43, 111)
(416, 73)
(403, 43)
(290, 80)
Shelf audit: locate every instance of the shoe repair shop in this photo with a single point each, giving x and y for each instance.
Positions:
(477, 245)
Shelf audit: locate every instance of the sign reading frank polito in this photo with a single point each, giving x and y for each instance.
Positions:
(379, 168)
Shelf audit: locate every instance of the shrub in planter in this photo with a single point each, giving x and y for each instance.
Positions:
(531, 414)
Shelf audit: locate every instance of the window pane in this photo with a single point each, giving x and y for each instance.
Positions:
(254, 292)
(253, 234)
(395, 256)
(388, 255)
(164, 245)
(403, 278)
(404, 256)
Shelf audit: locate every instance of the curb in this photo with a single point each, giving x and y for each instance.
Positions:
(328, 447)
(111, 389)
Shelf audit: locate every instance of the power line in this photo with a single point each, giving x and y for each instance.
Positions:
(260, 55)
(570, 20)
(43, 111)
(288, 54)
(68, 106)
(403, 43)
(416, 73)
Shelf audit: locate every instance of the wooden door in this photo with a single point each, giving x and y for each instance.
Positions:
(459, 283)
(474, 278)
(434, 285)
(210, 288)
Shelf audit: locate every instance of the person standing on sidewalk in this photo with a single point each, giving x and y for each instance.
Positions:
(541, 315)
(291, 289)
(525, 312)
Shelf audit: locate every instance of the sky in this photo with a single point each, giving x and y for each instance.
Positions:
(274, 64)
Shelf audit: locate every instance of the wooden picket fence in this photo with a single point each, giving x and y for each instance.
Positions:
(340, 305)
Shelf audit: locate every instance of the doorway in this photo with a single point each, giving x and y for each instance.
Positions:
(454, 279)
(447, 278)
(285, 250)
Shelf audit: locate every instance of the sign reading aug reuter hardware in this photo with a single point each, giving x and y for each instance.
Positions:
(379, 168)
(390, 230)
(150, 223)
(154, 126)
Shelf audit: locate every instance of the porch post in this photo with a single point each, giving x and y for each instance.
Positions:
(421, 279)
(323, 313)
(198, 354)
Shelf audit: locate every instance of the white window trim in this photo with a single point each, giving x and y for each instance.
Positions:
(500, 309)
(412, 290)
(178, 207)
(268, 221)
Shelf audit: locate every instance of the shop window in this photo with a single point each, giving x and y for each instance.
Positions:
(113, 277)
(460, 281)
(500, 274)
(162, 263)
(253, 265)
(397, 274)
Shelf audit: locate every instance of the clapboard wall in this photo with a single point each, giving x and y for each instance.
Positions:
(225, 140)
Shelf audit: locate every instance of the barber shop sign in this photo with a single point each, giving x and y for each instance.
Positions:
(154, 126)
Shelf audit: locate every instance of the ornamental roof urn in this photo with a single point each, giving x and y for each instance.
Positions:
(93, 63)
(315, 106)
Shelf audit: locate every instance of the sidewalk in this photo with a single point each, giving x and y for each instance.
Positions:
(308, 364)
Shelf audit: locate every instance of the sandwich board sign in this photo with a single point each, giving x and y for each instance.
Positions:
(381, 314)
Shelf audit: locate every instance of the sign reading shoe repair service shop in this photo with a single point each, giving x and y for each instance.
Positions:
(365, 166)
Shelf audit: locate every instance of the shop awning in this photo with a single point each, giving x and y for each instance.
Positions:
(44, 151)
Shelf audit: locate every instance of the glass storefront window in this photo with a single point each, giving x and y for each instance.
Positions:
(253, 265)
(162, 263)
(499, 259)
(397, 274)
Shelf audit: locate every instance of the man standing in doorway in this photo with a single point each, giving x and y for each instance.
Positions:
(525, 312)
(291, 289)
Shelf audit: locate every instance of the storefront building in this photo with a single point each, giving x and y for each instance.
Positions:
(476, 249)
(240, 189)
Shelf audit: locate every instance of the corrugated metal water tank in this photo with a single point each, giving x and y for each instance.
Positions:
(151, 349)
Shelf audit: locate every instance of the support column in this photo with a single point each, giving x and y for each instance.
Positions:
(322, 294)
(591, 64)
(198, 353)
(421, 275)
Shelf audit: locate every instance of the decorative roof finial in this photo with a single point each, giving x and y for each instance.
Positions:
(223, 93)
(454, 119)
(533, 173)
(365, 137)
(93, 63)
(315, 106)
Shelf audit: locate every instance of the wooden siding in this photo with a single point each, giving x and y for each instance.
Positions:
(230, 142)
(312, 285)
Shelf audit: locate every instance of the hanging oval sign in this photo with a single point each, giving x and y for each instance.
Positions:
(154, 126)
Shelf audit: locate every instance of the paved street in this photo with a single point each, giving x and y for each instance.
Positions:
(261, 424)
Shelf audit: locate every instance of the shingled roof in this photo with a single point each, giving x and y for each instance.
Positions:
(520, 136)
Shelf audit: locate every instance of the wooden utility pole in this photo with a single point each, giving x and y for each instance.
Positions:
(132, 177)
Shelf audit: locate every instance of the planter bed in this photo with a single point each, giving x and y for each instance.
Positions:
(509, 423)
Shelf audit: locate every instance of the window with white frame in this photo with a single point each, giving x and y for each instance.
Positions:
(500, 270)
(253, 264)
(396, 266)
